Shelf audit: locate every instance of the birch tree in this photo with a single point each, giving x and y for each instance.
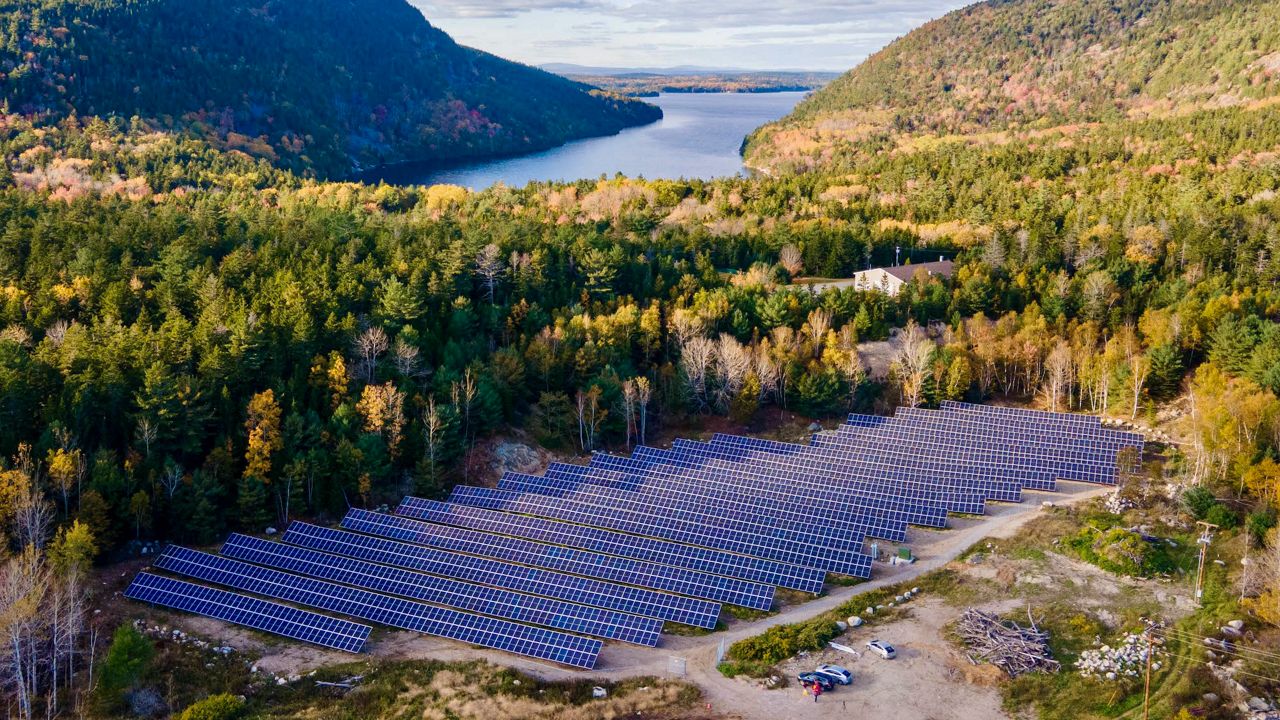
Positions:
(1057, 375)
(489, 267)
(369, 346)
(911, 363)
(643, 394)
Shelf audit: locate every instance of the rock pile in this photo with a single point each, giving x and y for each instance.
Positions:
(1128, 659)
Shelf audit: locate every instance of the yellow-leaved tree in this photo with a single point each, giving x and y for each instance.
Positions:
(382, 409)
(263, 424)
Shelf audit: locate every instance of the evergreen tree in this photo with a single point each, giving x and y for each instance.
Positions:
(251, 504)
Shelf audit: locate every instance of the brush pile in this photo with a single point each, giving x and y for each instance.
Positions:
(1015, 649)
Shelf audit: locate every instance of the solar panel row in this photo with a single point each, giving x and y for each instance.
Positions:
(708, 560)
(860, 506)
(787, 518)
(384, 609)
(535, 581)
(250, 612)
(656, 576)
(817, 467)
(443, 591)
(927, 500)
(893, 478)
(1043, 459)
(678, 527)
(763, 496)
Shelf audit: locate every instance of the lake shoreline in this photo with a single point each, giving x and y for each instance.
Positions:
(700, 136)
(379, 174)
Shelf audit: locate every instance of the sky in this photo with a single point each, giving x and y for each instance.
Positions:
(750, 34)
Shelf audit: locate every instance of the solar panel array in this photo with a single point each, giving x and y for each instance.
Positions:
(549, 566)
(250, 612)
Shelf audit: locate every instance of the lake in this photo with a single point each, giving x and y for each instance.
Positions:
(698, 137)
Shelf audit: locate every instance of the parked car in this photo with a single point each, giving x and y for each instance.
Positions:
(807, 679)
(835, 673)
(882, 648)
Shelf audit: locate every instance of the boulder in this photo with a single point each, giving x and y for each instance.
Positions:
(842, 625)
(855, 621)
(1236, 624)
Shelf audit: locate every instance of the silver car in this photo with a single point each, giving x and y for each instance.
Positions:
(882, 648)
(836, 673)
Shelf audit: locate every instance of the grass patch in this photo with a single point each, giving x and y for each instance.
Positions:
(182, 674)
(424, 688)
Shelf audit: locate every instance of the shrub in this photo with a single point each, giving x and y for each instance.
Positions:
(1260, 521)
(1221, 516)
(127, 660)
(1198, 500)
(1116, 550)
(783, 641)
(214, 707)
(1125, 552)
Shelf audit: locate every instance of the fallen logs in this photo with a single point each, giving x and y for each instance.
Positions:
(1009, 646)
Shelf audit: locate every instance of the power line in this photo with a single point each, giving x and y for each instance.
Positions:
(1242, 653)
(1200, 637)
(1232, 671)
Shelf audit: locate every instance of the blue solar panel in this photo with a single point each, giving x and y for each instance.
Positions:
(1088, 438)
(443, 591)
(872, 474)
(564, 559)
(636, 601)
(250, 612)
(786, 489)
(395, 612)
(729, 509)
(1021, 457)
(614, 543)
(691, 528)
(938, 456)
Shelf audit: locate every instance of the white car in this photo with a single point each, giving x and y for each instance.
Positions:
(882, 648)
(836, 673)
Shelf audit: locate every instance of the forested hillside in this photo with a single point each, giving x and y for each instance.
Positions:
(321, 86)
(1025, 65)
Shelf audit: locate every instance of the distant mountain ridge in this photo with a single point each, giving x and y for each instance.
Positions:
(323, 86)
(1025, 64)
(572, 69)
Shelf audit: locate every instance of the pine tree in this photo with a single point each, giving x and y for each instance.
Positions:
(251, 502)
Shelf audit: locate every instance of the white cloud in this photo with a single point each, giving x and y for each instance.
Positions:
(756, 34)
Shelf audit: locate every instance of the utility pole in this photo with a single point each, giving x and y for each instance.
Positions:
(1206, 536)
(1146, 692)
